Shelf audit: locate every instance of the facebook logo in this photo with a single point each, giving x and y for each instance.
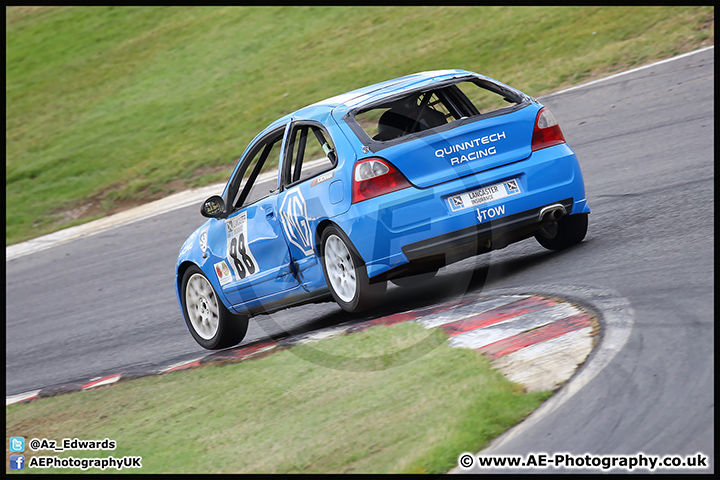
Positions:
(17, 444)
(17, 462)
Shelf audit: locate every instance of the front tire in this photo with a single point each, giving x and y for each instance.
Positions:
(566, 232)
(210, 323)
(346, 274)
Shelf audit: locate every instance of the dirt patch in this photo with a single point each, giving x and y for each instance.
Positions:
(13, 14)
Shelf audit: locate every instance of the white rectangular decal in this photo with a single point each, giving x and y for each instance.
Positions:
(223, 273)
(240, 258)
(484, 195)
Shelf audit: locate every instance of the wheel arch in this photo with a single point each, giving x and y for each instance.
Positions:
(183, 267)
(322, 226)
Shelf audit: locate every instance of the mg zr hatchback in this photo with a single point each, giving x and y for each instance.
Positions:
(391, 180)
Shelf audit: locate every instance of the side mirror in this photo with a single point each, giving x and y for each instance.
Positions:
(213, 207)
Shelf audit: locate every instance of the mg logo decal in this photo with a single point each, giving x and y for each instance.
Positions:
(293, 213)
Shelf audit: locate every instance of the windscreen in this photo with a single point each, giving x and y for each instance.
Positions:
(419, 111)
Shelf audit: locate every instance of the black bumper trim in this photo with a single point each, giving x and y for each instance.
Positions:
(479, 238)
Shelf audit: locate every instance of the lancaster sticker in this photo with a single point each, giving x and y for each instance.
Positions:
(484, 195)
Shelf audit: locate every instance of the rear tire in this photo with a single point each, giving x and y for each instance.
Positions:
(210, 323)
(566, 232)
(346, 274)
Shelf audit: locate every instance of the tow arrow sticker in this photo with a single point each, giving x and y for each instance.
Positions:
(489, 213)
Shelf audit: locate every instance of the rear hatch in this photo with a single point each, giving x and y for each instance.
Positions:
(464, 147)
(448, 130)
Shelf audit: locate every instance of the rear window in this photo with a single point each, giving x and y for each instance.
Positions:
(424, 110)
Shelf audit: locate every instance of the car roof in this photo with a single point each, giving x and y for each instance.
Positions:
(341, 104)
(389, 87)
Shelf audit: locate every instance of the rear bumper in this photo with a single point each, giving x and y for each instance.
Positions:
(433, 253)
(412, 228)
(477, 238)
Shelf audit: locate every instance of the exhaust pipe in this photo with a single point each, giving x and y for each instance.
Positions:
(551, 213)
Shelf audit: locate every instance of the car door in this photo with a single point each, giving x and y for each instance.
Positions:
(256, 249)
(308, 175)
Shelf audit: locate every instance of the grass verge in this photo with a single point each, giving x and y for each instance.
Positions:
(295, 411)
(111, 107)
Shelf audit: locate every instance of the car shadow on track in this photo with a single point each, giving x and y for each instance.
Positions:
(468, 278)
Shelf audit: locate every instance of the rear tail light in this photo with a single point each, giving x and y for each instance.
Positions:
(373, 177)
(547, 131)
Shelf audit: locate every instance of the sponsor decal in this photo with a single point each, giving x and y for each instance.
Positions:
(240, 257)
(202, 241)
(483, 195)
(323, 178)
(293, 214)
(467, 151)
(223, 273)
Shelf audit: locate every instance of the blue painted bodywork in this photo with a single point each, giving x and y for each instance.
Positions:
(283, 229)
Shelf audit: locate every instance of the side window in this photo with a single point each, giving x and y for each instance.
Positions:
(310, 151)
(264, 157)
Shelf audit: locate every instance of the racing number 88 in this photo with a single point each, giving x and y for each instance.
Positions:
(243, 262)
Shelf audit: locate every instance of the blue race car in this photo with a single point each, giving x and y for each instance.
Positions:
(391, 180)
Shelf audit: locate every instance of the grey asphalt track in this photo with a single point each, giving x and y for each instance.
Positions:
(646, 145)
(645, 141)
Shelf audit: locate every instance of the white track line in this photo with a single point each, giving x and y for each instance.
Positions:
(627, 72)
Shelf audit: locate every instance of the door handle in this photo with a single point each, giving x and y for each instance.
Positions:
(269, 210)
